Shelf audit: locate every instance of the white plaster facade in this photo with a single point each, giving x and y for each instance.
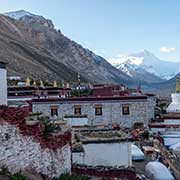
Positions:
(3, 86)
(140, 110)
(175, 104)
(19, 152)
(106, 154)
(76, 121)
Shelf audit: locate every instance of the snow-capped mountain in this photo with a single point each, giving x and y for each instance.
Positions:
(29, 18)
(145, 65)
(18, 14)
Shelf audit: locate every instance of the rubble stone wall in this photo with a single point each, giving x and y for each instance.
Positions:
(140, 111)
(23, 147)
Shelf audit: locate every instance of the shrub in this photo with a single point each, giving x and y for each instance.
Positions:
(17, 177)
(49, 127)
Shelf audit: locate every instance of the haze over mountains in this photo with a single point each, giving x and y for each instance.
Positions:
(32, 46)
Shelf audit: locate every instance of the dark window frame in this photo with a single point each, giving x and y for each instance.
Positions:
(125, 110)
(98, 111)
(54, 111)
(77, 110)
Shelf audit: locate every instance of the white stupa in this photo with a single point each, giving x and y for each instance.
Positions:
(3, 84)
(175, 104)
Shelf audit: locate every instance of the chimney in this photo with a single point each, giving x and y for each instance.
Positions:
(3, 85)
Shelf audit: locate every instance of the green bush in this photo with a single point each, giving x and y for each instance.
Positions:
(17, 177)
(49, 127)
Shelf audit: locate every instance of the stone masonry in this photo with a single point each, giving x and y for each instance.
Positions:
(22, 149)
(141, 110)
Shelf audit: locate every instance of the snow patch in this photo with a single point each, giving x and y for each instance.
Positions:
(18, 14)
(145, 61)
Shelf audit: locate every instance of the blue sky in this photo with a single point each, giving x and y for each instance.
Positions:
(112, 27)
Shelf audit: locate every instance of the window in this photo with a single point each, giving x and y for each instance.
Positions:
(98, 111)
(125, 110)
(54, 111)
(77, 110)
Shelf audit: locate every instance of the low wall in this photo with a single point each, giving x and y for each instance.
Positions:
(172, 161)
(106, 154)
(25, 147)
(106, 172)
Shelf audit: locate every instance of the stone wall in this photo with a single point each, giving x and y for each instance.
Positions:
(151, 107)
(103, 172)
(171, 159)
(23, 147)
(140, 111)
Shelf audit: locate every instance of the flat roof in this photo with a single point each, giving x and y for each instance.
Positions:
(90, 98)
(18, 88)
(171, 116)
(163, 125)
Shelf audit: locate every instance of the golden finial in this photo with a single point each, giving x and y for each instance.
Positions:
(41, 84)
(55, 84)
(34, 83)
(177, 84)
(28, 81)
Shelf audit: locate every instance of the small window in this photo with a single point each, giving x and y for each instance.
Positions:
(77, 110)
(125, 110)
(98, 111)
(54, 111)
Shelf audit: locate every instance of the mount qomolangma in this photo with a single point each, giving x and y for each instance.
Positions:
(147, 67)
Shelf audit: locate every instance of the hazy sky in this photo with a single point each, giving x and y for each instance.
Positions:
(113, 27)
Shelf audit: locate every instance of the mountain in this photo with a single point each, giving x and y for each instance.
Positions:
(163, 89)
(33, 47)
(147, 67)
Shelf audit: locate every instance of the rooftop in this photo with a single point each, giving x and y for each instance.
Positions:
(142, 97)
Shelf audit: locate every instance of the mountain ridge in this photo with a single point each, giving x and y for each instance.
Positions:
(147, 62)
(33, 36)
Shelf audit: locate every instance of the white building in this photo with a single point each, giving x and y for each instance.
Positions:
(124, 110)
(106, 154)
(3, 86)
(175, 104)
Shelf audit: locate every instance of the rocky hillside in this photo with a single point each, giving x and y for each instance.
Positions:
(33, 47)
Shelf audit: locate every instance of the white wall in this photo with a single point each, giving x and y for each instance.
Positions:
(156, 129)
(3, 87)
(107, 154)
(175, 104)
(172, 121)
(76, 121)
(18, 152)
(111, 111)
(171, 138)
